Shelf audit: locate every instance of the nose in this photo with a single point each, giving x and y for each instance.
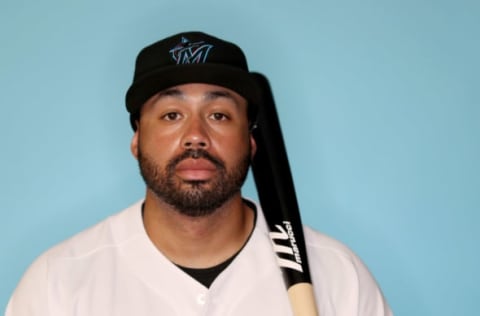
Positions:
(196, 135)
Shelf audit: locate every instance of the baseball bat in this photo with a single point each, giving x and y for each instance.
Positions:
(276, 191)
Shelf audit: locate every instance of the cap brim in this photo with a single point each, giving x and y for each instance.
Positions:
(151, 83)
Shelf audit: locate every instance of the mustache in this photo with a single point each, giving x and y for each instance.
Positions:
(196, 154)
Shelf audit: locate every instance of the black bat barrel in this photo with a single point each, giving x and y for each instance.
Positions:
(276, 191)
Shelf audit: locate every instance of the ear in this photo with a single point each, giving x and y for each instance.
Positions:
(134, 145)
(253, 147)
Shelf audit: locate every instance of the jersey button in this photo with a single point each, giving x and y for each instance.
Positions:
(201, 299)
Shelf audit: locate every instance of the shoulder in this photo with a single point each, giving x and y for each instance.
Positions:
(334, 262)
(110, 232)
(343, 285)
(318, 242)
(30, 293)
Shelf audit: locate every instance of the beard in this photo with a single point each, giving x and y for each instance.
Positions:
(193, 198)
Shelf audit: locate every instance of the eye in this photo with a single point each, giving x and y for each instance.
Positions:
(171, 116)
(217, 116)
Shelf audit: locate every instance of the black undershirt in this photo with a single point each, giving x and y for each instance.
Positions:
(206, 276)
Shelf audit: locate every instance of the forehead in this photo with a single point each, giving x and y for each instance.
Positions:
(198, 91)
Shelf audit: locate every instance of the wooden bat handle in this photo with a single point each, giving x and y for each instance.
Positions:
(302, 300)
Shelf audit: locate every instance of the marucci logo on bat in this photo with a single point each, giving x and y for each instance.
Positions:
(286, 234)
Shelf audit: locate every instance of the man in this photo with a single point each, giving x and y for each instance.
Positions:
(194, 245)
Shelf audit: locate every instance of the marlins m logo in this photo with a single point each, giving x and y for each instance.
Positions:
(187, 52)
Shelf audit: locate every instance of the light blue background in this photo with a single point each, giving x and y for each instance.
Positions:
(379, 103)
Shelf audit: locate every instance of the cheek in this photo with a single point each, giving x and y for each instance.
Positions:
(236, 146)
(157, 146)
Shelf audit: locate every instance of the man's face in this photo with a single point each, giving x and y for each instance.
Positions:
(193, 146)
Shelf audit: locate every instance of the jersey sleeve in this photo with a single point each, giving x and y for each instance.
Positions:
(371, 301)
(343, 284)
(30, 298)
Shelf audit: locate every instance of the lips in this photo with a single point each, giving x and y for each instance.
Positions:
(195, 169)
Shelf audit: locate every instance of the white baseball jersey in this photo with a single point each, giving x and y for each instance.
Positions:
(114, 269)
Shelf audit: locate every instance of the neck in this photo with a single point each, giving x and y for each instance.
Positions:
(198, 242)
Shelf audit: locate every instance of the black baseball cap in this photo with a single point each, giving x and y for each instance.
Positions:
(190, 57)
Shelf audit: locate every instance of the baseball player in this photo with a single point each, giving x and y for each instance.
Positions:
(193, 245)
